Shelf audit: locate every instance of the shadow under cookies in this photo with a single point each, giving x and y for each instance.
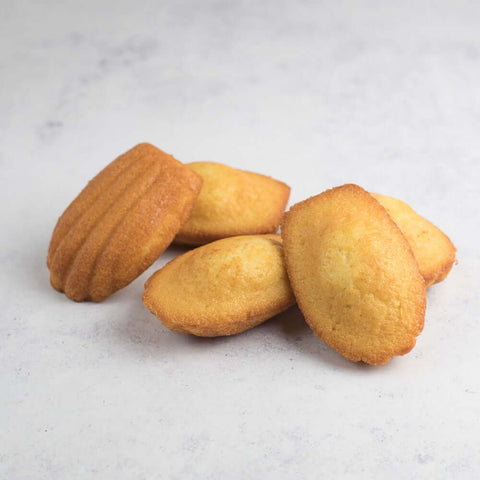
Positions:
(287, 332)
(293, 330)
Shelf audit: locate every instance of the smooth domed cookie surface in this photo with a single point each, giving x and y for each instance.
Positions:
(120, 223)
(222, 288)
(233, 202)
(354, 275)
(434, 251)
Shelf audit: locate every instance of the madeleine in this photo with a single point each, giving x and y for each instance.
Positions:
(354, 275)
(120, 223)
(233, 202)
(223, 288)
(434, 251)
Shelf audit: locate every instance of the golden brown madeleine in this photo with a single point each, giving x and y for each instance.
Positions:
(233, 202)
(120, 223)
(223, 288)
(433, 250)
(354, 275)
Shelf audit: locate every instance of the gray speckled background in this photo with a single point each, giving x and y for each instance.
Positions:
(385, 94)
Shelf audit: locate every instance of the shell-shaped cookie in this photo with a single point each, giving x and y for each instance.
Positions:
(233, 202)
(223, 288)
(120, 223)
(354, 275)
(434, 251)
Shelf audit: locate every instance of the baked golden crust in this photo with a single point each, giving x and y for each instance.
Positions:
(223, 288)
(233, 202)
(434, 251)
(354, 275)
(120, 223)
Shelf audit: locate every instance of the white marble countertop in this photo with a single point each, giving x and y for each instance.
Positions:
(383, 94)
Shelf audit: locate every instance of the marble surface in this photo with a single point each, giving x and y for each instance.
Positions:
(384, 94)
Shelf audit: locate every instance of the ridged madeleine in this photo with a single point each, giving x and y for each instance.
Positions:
(120, 223)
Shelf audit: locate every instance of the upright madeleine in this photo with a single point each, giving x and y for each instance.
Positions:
(354, 275)
(120, 223)
(223, 288)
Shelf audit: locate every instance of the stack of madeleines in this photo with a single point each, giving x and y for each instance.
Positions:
(358, 264)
